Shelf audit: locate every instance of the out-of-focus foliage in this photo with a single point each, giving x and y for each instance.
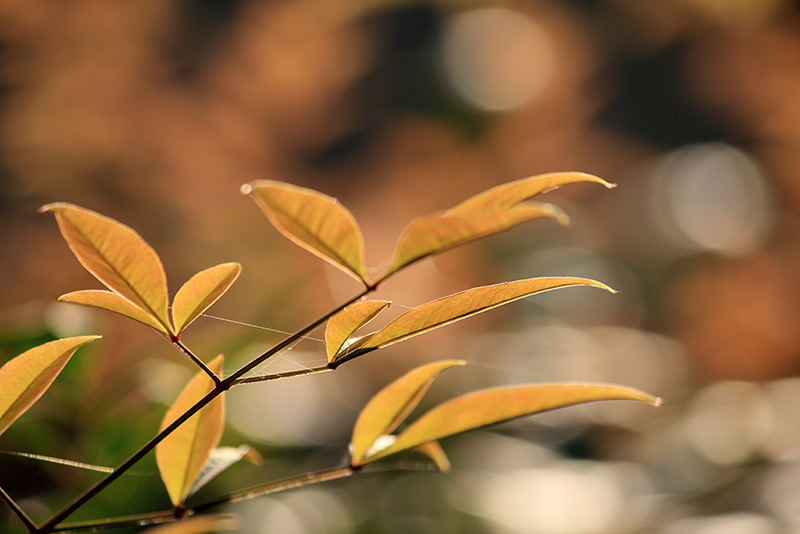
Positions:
(149, 109)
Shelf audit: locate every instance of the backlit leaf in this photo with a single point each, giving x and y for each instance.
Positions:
(200, 292)
(437, 233)
(390, 406)
(434, 451)
(114, 302)
(342, 325)
(221, 459)
(182, 455)
(314, 221)
(25, 378)
(204, 524)
(488, 407)
(461, 305)
(504, 196)
(117, 256)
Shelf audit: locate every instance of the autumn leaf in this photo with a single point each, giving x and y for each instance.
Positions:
(182, 455)
(434, 451)
(342, 325)
(510, 194)
(108, 300)
(205, 524)
(117, 256)
(389, 407)
(200, 292)
(491, 406)
(25, 378)
(459, 306)
(437, 233)
(314, 221)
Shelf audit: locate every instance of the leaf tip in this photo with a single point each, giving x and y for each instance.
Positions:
(50, 207)
(658, 402)
(246, 189)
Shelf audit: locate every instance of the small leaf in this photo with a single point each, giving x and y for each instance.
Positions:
(459, 306)
(182, 455)
(107, 300)
(437, 233)
(342, 325)
(200, 292)
(504, 196)
(25, 378)
(221, 459)
(117, 256)
(390, 406)
(204, 524)
(488, 407)
(316, 222)
(434, 451)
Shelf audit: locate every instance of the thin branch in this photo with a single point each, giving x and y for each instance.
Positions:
(200, 363)
(141, 520)
(19, 512)
(287, 374)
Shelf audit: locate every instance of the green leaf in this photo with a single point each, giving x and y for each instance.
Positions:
(390, 406)
(205, 524)
(108, 300)
(182, 455)
(488, 407)
(221, 459)
(459, 306)
(342, 325)
(25, 378)
(200, 292)
(504, 196)
(117, 256)
(316, 222)
(438, 233)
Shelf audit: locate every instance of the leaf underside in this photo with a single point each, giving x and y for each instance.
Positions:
(108, 300)
(342, 325)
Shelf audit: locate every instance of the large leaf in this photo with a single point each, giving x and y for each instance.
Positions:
(342, 325)
(459, 306)
(221, 459)
(483, 408)
(437, 233)
(314, 221)
(114, 302)
(182, 455)
(25, 378)
(504, 196)
(117, 256)
(204, 524)
(200, 292)
(390, 406)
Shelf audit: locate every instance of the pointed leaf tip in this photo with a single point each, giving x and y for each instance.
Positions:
(342, 325)
(182, 455)
(200, 292)
(25, 378)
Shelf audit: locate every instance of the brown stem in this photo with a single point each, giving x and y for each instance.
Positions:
(19, 512)
(183, 348)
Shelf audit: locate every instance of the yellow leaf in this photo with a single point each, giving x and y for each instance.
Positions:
(316, 222)
(182, 455)
(200, 292)
(437, 233)
(205, 524)
(459, 306)
(114, 302)
(117, 256)
(25, 378)
(434, 451)
(504, 196)
(390, 406)
(342, 325)
(483, 408)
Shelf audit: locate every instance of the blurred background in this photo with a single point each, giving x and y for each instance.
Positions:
(156, 112)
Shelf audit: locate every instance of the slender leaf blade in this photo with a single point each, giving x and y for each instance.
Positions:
(200, 292)
(434, 451)
(204, 524)
(390, 406)
(182, 455)
(25, 378)
(504, 196)
(437, 233)
(221, 459)
(117, 256)
(314, 221)
(108, 300)
(446, 310)
(342, 325)
(491, 406)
